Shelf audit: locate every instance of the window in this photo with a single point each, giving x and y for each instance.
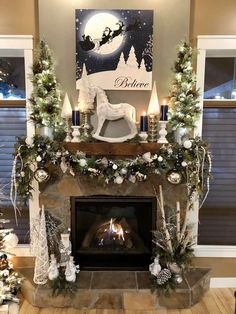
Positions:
(218, 215)
(12, 124)
(216, 77)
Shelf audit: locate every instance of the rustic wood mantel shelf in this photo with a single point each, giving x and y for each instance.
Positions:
(113, 149)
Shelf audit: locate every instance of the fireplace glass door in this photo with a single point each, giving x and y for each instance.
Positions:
(112, 232)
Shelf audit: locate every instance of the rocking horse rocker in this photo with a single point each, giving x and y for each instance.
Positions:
(112, 112)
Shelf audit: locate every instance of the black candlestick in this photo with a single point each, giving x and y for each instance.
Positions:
(75, 117)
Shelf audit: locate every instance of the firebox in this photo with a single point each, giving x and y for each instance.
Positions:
(112, 233)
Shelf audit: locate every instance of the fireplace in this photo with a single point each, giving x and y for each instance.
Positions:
(112, 232)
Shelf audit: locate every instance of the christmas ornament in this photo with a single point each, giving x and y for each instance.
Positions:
(163, 276)
(118, 180)
(174, 177)
(11, 240)
(187, 144)
(3, 264)
(174, 268)
(71, 270)
(53, 272)
(177, 278)
(155, 267)
(41, 175)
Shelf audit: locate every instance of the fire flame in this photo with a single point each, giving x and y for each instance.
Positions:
(117, 229)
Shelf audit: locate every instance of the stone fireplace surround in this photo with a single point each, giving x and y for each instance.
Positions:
(129, 290)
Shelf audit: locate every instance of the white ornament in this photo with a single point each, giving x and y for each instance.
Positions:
(38, 158)
(160, 158)
(112, 112)
(132, 179)
(187, 144)
(86, 93)
(114, 167)
(53, 272)
(184, 164)
(147, 157)
(123, 171)
(71, 270)
(66, 111)
(83, 162)
(11, 240)
(118, 180)
(155, 267)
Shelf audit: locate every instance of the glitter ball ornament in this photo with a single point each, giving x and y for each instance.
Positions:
(187, 144)
(177, 278)
(174, 177)
(41, 175)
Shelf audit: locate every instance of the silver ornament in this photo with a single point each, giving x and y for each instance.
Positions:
(177, 278)
(174, 177)
(41, 175)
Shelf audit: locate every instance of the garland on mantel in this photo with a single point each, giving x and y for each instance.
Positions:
(187, 163)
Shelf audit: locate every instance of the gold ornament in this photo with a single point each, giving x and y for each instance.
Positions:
(41, 175)
(174, 177)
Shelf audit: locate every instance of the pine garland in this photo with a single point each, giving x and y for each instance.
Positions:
(184, 98)
(45, 98)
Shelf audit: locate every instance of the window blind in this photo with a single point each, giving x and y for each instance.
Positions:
(218, 215)
(12, 124)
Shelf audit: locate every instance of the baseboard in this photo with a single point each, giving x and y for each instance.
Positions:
(215, 251)
(223, 282)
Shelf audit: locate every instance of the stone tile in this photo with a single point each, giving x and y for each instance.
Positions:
(177, 300)
(143, 279)
(114, 280)
(108, 300)
(139, 301)
(84, 279)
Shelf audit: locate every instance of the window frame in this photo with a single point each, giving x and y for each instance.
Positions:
(211, 46)
(15, 46)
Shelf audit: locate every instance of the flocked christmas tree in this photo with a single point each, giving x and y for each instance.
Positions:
(45, 99)
(184, 98)
(9, 279)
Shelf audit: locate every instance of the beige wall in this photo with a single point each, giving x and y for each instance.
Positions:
(171, 24)
(213, 17)
(19, 17)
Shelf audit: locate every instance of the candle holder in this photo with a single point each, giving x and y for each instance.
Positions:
(68, 137)
(87, 128)
(76, 134)
(143, 136)
(153, 128)
(162, 132)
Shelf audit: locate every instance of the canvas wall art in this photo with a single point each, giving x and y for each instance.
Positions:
(116, 48)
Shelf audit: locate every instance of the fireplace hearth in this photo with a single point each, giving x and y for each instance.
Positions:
(112, 232)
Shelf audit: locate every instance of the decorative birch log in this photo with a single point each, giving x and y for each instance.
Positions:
(184, 226)
(163, 218)
(178, 221)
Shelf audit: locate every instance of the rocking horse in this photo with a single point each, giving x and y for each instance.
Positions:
(112, 112)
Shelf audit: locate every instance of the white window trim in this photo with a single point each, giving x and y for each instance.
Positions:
(15, 46)
(212, 46)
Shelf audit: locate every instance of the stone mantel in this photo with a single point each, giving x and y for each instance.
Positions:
(56, 195)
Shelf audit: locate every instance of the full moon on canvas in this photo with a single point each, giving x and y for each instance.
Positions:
(116, 48)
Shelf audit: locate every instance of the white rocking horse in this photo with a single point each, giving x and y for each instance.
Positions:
(112, 112)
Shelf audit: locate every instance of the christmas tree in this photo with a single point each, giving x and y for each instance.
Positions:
(184, 98)
(45, 99)
(9, 279)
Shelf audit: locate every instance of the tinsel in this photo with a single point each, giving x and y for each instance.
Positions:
(184, 98)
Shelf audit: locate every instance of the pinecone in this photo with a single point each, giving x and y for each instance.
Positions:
(163, 276)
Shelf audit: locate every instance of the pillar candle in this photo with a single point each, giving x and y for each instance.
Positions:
(164, 112)
(75, 117)
(143, 122)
